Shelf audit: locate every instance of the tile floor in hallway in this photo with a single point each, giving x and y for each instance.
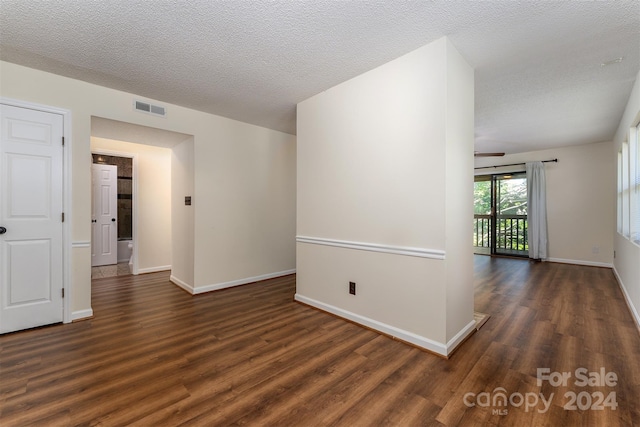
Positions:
(120, 269)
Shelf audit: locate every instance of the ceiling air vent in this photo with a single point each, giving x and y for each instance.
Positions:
(145, 107)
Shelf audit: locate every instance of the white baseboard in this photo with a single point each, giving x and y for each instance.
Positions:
(181, 284)
(217, 286)
(410, 337)
(461, 336)
(81, 314)
(632, 308)
(154, 269)
(580, 262)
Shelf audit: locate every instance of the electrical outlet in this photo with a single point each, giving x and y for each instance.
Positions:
(352, 288)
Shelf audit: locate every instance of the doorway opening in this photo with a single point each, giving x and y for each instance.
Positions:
(161, 176)
(500, 225)
(112, 236)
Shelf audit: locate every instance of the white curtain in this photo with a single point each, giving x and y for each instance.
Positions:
(537, 210)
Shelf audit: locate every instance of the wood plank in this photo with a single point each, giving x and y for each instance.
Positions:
(155, 355)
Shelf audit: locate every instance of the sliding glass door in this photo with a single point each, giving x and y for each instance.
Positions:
(511, 214)
(500, 214)
(483, 235)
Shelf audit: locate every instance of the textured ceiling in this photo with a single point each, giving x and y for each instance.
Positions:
(539, 82)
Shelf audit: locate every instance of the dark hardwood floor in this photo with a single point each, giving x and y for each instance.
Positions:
(155, 356)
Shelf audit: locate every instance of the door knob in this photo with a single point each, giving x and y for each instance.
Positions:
(3, 230)
(113, 220)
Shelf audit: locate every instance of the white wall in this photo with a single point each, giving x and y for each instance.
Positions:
(245, 223)
(244, 180)
(580, 200)
(627, 261)
(183, 224)
(374, 154)
(153, 201)
(459, 191)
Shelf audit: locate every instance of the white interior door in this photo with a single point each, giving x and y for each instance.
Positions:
(104, 220)
(31, 202)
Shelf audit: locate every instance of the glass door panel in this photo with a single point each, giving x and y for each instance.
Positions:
(482, 218)
(500, 214)
(511, 214)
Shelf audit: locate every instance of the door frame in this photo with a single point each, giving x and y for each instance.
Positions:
(67, 243)
(134, 198)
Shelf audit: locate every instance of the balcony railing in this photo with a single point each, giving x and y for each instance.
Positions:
(511, 233)
(482, 231)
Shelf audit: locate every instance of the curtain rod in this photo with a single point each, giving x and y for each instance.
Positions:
(514, 164)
